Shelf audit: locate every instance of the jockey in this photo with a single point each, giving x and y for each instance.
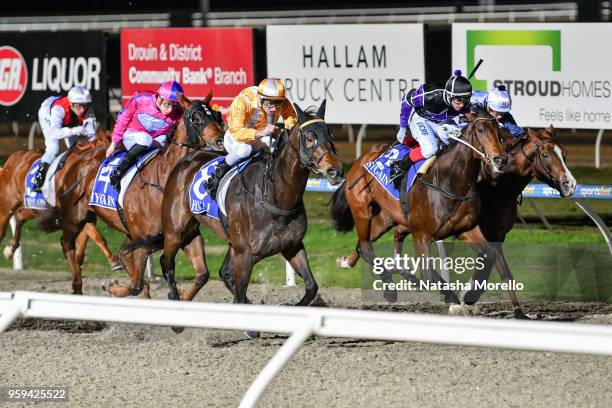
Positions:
(146, 120)
(498, 103)
(251, 123)
(428, 110)
(67, 118)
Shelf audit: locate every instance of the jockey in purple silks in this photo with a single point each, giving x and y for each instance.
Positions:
(145, 122)
(429, 111)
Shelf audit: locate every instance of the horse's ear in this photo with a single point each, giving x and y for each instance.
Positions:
(321, 110)
(553, 132)
(184, 101)
(208, 98)
(300, 113)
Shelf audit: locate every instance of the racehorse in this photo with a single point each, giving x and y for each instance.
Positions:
(444, 202)
(12, 189)
(264, 207)
(200, 128)
(537, 154)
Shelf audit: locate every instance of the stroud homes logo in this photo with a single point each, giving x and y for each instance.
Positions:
(551, 38)
(13, 76)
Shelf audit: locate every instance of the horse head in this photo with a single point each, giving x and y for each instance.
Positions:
(203, 125)
(547, 160)
(316, 144)
(484, 135)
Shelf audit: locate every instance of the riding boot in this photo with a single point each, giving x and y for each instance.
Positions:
(130, 158)
(398, 168)
(212, 184)
(39, 178)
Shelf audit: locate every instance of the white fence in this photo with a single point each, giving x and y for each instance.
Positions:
(303, 322)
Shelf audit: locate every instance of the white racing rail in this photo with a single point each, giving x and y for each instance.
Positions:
(303, 322)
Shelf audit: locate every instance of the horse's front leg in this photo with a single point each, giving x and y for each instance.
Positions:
(296, 256)
(422, 242)
(487, 253)
(242, 264)
(506, 276)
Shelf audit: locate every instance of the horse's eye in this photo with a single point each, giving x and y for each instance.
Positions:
(545, 155)
(197, 118)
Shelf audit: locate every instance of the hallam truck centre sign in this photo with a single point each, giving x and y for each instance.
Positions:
(362, 70)
(34, 66)
(556, 73)
(200, 59)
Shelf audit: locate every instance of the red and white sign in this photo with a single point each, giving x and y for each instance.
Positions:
(13, 76)
(200, 59)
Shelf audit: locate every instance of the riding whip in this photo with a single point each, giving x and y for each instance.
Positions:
(475, 69)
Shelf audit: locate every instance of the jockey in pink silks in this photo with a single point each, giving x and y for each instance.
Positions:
(145, 122)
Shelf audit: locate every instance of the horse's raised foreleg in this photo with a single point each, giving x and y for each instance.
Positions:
(298, 259)
(91, 232)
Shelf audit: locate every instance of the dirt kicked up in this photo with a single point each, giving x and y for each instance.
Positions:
(133, 365)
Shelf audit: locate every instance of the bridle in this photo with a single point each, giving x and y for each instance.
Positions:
(195, 126)
(538, 159)
(323, 137)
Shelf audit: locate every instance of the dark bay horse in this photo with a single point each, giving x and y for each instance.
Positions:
(12, 186)
(537, 154)
(444, 202)
(264, 203)
(199, 128)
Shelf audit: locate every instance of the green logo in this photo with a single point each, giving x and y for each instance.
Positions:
(551, 38)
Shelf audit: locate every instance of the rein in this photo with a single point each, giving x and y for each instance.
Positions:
(468, 144)
(538, 158)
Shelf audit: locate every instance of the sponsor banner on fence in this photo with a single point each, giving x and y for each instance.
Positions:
(362, 70)
(555, 73)
(34, 66)
(200, 59)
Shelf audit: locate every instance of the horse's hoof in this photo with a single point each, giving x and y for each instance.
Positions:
(116, 266)
(252, 334)
(464, 310)
(8, 252)
(177, 330)
(518, 314)
(342, 262)
(106, 286)
(390, 296)
(171, 296)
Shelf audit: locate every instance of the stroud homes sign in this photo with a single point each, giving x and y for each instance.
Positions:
(555, 73)
(34, 66)
(362, 70)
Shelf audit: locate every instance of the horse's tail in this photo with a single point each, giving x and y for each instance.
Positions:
(340, 210)
(150, 243)
(50, 220)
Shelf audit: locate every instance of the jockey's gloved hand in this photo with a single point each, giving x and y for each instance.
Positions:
(446, 131)
(77, 131)
(401, 134)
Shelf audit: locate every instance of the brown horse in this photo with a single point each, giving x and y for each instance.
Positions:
(537, 154)
(264, 205)
(12, 186)
(200, 128)
(442, 203)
